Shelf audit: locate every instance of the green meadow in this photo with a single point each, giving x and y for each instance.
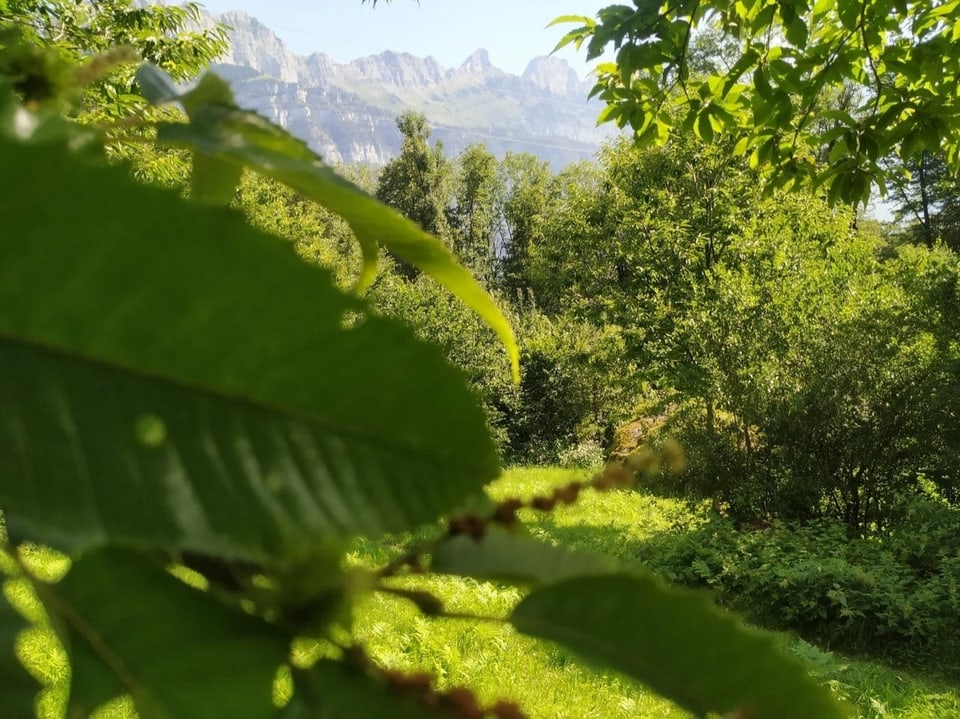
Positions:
(490, 658)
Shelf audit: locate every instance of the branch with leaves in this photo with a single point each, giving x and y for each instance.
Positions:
(902, 58)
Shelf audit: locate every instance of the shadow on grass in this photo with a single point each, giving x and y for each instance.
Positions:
(856, 596)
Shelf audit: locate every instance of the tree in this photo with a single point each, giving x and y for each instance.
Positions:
(564, 260)
(523, 186)
(79, 31)
(803, 385)
(632, 242)
(318, 235)
(928, 201)
(417, 183)
(901, 57)
(84, 55)
(472, 214)
(830, 371)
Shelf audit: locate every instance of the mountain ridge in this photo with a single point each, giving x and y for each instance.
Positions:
(346, 111)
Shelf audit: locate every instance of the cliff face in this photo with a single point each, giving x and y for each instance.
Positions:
(346, 111)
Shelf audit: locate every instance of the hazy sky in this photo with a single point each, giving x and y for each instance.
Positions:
(450, 30)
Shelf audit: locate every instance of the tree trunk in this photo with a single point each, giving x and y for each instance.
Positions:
(925, 201)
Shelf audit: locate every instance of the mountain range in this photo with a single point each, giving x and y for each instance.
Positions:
(347, 111)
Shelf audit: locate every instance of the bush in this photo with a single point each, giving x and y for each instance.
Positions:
(831, 386)
(925, 533)
(574, 390)
(466, 341)
(718, 463)
(588, 455)
(897, 596)
(574, 386)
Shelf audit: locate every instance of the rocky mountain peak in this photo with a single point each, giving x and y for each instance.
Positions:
(346, 111)
(399, 69)
(254, 45)
(478, 64)
(553, 75)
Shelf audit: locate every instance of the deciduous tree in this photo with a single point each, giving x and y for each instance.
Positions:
(418, 182)
(901, 56)
(927, 200)
(473, 211)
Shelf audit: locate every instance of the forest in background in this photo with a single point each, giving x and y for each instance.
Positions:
(805, 357)
(799, 361)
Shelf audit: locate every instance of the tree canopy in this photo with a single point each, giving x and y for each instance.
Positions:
(816, 91)
(110, 37)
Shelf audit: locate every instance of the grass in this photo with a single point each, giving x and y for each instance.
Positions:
(496, 662)
(492, 659)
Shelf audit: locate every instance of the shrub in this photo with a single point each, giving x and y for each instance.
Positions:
(588, 454)
(466, 341)
(575, 387)
(832, 383)
(895, 596)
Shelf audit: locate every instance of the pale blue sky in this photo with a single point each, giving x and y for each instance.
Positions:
(449, 30)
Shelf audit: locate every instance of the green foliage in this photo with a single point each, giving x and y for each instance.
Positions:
(812, 366)
(671, 535)
(318, 235)
(773, 94)
(807, 368)
(200, 419)
(862, 595)
(497, 662)
(564, 261)
(524, 190)
(927, 199)
(18, 687)
(418, 183)
(346, 692)
(925, 534)
(54, 31)
(577, 613)
(835, 387)
(634, 243)
(578, 608)
(224, 139)
(512, 558)
(545, 678)
(82, 332)
(82, 56)
(473, 210)
(576, 386)
(190, 637)
(436, 317)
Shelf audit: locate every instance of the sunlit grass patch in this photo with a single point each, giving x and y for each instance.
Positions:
(878, 691)
(489, 656)
(495, 661)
